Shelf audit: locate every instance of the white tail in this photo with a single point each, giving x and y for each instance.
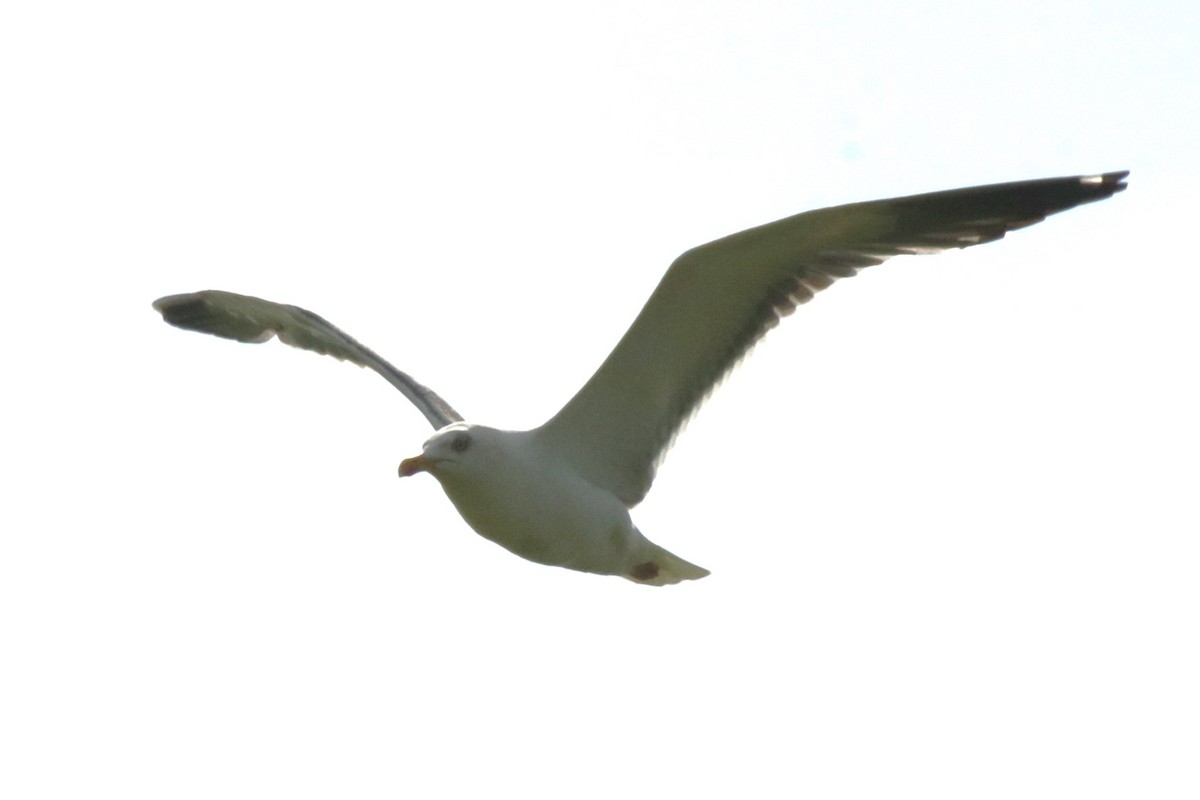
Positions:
(664, 568)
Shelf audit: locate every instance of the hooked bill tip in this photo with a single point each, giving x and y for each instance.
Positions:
(411, 466)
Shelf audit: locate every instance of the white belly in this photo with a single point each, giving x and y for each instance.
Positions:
(550, 516)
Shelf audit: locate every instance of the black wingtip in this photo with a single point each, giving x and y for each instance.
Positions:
(187, 311)
(192, 312)
(1108, 183)
(1091, 188)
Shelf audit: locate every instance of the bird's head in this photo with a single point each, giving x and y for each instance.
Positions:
(458, 447)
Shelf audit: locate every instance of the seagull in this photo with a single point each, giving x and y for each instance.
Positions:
(561, 494)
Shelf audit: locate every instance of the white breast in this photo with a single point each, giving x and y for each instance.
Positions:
(537, 507)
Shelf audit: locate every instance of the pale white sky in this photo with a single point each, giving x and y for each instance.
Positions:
(949, 506)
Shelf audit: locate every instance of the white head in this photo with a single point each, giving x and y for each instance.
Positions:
(455, 450)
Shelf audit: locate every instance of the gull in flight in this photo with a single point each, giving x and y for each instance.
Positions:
(560, 494)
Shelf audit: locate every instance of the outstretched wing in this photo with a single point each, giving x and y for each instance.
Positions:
(718, 299)
(251, 319)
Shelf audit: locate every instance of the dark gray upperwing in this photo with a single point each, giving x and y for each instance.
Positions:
(252, 319)
(718, 299)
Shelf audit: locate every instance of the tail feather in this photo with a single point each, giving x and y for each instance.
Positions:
(664, 568)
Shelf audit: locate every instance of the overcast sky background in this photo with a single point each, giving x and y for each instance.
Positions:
(949, 506)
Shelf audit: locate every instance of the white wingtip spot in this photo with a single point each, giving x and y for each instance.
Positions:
(1092, 179)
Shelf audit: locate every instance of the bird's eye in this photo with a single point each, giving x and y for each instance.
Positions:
(460, 443)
